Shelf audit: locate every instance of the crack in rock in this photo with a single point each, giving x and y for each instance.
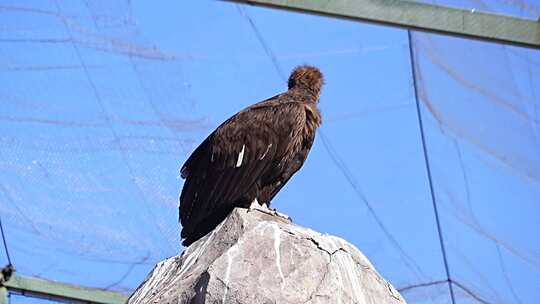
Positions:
(313, 269)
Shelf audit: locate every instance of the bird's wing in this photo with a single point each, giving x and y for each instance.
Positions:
(233, 159)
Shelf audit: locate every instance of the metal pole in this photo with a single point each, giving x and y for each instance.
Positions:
(3, 295)
(422, 17)
(51, 290)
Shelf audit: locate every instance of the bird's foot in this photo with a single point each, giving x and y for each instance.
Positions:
(256, 206)
(282, 215)
(264, 209)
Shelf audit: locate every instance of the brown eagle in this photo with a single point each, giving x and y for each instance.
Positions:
(250, 156)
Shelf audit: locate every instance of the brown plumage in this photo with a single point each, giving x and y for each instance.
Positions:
(251, 155)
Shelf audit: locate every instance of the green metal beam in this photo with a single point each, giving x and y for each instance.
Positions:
(52, 290)
(3, 295)
(422, 17)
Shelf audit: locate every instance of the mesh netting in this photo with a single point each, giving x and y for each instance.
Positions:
(102, 102)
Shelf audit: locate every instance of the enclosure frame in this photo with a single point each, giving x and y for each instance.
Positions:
(397, 13)
(57, 291)
(421, 17)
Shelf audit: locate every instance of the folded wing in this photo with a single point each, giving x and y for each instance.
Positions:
(240, 157)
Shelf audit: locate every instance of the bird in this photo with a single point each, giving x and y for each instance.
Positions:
(247, 159)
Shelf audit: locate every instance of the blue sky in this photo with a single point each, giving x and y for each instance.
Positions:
(102, 102)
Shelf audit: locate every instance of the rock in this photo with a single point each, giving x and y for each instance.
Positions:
(253, 257)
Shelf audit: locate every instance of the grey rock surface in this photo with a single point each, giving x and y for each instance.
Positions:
(253, 257)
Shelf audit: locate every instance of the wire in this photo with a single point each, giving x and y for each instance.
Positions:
(111, 128)
(505, 274)
(336, 160)
(5, 242)
(263, 43)
(161, 119)
(428, 169)
(415, 286)
(439, 282)
(469, 292)
(340, 164)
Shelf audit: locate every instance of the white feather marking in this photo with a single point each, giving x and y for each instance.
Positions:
(240, 156)
(267, 149)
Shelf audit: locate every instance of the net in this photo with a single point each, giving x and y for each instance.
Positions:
(102, 102)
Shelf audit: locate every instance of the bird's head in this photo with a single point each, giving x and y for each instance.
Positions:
(308, 78)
